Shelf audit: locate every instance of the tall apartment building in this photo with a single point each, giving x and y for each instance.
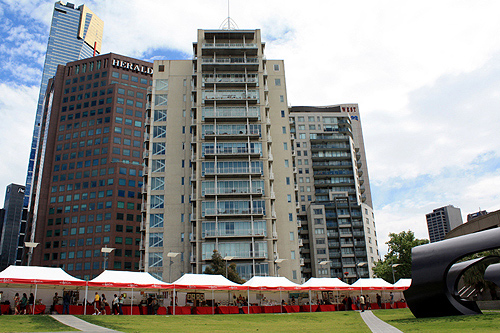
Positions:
(87, 184)
(441, 221)
(75, 33)
(9, 225)
(219, 166)
(337, 222)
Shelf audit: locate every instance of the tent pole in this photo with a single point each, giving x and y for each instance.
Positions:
(213, 301)
(85, 300)
(132, 302)
(173, 300)
(34, 300)
(281, 302)
(248, 300)
(310, 305)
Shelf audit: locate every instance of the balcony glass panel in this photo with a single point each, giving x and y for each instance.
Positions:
(238, 94)
(230, 129)
(232, 167)
(230, 112)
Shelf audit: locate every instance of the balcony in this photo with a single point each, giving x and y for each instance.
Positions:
(228, 191)
(231, 152)
(230, 172)
(233, 63)
(228, 96)
(234, 233)
(230, 79)
(275, 235)
(302, 262)
(230, 113)
(233, 212)
(301, 242)
(229, 133)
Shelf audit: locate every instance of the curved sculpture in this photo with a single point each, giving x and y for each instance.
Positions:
(435, 275)
(492, 274)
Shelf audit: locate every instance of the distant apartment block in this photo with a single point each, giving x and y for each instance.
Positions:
(441, 221)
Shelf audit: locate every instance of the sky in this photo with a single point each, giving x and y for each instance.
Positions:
(424, 73)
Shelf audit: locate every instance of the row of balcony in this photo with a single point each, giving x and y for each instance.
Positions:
(235, 233)
(232, 171)
(240, 255)
(232, 212)
(232, 191)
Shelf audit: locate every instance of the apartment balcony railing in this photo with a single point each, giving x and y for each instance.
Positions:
(233, 79)
(235, 211)
(240, 255)
(235, 233)
(230, 112)
(231, 95)
(231, 151)
(232, 171)
(231, 133)
(229, 45)
(232, 191)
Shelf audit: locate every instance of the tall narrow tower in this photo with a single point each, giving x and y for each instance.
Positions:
(219, 172)
(75, 33)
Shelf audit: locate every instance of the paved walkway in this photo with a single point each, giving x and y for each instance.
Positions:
(81, 325)
(377, 325)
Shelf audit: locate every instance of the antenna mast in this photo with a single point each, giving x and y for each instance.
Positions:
(228, 23)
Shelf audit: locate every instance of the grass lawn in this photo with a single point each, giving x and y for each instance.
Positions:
(296, 322)
(29, 323)
(404, 320)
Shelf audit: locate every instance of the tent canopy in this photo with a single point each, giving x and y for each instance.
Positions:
(326, 284)
(372, 284)
(39, 276)
(403, 284)
(127, 279)
(271, 283)
(206, 281)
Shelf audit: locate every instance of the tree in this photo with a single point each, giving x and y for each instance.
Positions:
(218, 266)
(400, 246)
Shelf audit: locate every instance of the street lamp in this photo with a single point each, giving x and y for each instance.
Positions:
(324, 262)
(227, 258)
(31, 246)
(278, 261)
(393, 278)
(171, 255)
(106, 251)
(360, 264)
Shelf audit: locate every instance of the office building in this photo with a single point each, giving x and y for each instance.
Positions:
(75, 33)
(441, 221)
(9, 225)
(479, 213)
(338, 230)
(87, 184)
(219, 167)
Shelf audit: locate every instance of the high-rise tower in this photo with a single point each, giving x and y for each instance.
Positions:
(87, 185)
(75, 33)
(338, 227)
(9, 225)
(219, 166)
(441, 221)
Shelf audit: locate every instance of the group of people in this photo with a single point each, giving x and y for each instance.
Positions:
(363, 302)
(100, 304)
(25, 304)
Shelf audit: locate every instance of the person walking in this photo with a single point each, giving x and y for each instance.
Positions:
(24, 303)
(103, 304)
(391, 300)
(17, 304)
(66, 301)
(120, 304)
(1, 295)
(114, 305)
(55, 299)
(31, 304)
(362, 303)
(97, 304)
(379, 301)
(367, 301)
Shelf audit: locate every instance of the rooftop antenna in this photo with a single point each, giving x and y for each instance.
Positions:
(228, 23)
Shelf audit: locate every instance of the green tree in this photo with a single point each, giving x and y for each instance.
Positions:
(218, 267)
(400, 246)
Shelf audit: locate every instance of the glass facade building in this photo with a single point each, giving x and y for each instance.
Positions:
(75, 33)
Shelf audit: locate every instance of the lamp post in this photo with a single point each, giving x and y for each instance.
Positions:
(106, 251)
(359, 264)
(325, 262)
(393, 277)
(31, 246)
(227, 258)
(171, 255)
(278, 261)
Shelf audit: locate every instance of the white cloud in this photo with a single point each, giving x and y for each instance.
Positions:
(17, 105)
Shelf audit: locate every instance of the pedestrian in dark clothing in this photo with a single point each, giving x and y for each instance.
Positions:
(66, 301)
(379, 301)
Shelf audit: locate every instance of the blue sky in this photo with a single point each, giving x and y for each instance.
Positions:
(425, 75)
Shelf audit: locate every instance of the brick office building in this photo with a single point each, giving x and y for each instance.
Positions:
(88, 175)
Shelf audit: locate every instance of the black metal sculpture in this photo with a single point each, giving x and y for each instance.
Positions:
(435, 274)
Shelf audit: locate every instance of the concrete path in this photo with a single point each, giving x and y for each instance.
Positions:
(81, 325)
(376, 325)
